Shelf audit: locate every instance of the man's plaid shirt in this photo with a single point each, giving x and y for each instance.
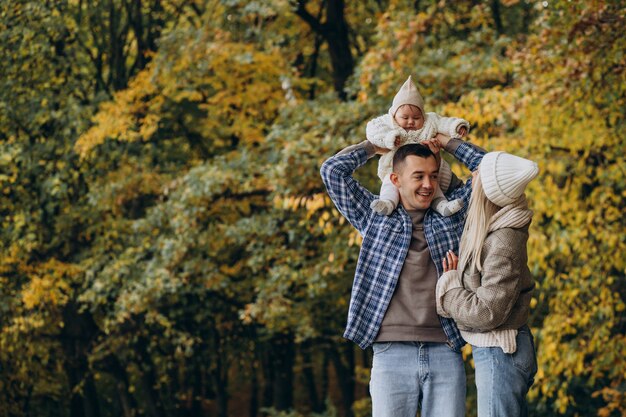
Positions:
(386, 238)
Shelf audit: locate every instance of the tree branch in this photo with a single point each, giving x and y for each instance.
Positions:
(313, 22)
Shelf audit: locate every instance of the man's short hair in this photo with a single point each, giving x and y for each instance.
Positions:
(404, 151)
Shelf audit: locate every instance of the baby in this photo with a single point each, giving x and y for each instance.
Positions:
(405, 123)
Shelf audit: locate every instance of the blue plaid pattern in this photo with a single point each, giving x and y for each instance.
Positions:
(386, 241)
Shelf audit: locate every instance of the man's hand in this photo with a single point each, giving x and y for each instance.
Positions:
(443, 139)
(435, 147)
(433, 144)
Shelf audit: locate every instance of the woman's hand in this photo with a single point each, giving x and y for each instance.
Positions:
(450, 261)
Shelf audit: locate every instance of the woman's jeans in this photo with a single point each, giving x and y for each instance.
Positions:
(503, 379)
(406, 375)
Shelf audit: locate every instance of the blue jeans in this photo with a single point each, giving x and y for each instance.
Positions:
(503, 379)
(406, 375)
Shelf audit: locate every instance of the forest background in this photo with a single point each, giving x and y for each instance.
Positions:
(168, 249)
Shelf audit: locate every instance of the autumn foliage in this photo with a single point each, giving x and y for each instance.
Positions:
(168, 249)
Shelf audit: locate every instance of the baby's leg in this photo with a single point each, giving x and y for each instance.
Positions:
(444, 207)
(445, 175)
(389, 198)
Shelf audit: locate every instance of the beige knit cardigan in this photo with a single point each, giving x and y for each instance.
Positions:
(489, 306)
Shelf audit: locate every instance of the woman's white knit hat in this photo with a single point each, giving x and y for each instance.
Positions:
(505, 176)
(407, 94)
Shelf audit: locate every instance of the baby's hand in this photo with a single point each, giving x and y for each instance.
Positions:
(398, 141)
(463, 131)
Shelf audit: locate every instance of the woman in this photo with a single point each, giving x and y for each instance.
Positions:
(489, 294)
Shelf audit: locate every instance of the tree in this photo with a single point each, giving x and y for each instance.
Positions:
(168, 248)
(334, 30)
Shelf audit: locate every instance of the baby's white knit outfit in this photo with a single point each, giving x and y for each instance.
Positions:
(382, 131)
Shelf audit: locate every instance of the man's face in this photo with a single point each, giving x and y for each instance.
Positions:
(416, 180)
(409, 117)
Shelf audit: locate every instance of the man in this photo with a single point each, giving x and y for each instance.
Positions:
(417, 356)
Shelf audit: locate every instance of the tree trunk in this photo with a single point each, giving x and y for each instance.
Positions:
(117, 370)
(313, 66)
(77, 335)
(527, 16)
(136, 17)
(283, 355)
(198, 393)
(85, 404)
(497, 18)
(218, 373)
(317, 406)
(152, 403)
(220, 382)
(324, 377)
(338, 45)
(342, 357)
(268, 378)
(147, 381)
(254, 390)
(335, 32)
